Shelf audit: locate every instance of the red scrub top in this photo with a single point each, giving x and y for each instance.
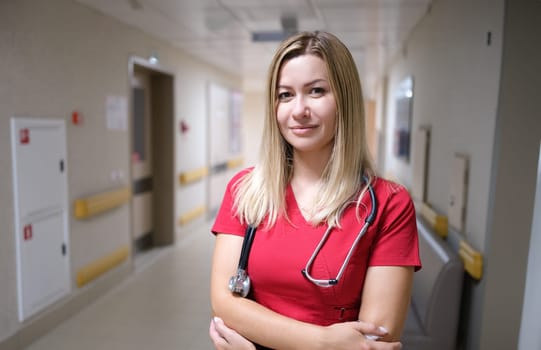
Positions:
(279, 254)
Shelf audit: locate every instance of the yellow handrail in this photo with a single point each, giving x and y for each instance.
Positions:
(193, 175)
(192, 214)
(86, 207)
(472, 259)
(235, 162)
(438, 222)
(101, 265)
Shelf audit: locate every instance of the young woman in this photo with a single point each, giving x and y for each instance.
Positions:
(309, 197)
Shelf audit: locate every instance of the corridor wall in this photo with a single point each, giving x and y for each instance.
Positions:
(57, 57)
(474, 66)
(454, 56)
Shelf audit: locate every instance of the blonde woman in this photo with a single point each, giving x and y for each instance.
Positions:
(309, 197)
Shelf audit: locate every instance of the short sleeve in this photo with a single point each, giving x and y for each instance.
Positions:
(396, 242)
(226, 220)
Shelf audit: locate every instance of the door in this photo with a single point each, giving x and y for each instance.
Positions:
(141, 172)
(153, 157)
(40, 201)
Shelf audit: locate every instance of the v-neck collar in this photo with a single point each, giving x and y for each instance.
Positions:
(293, 208)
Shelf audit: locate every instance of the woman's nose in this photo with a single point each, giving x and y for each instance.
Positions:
(300, 109)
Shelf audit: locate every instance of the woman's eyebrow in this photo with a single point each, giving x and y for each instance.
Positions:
(312, 82)
(315, 81)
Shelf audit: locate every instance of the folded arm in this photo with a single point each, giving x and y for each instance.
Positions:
(386, 298)
(268, 328)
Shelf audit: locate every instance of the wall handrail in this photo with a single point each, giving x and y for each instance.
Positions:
(235, 162)
(86, 207)
(189, 176)
(471, 258)
(100, 266)
(438, 222)
(192, 214)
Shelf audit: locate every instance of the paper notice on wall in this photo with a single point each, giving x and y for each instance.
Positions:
(116, 113)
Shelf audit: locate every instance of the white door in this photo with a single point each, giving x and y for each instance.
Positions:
(40, 201)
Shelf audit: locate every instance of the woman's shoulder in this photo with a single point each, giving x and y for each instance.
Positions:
(241, 173)
(394, 201)
(389, 189)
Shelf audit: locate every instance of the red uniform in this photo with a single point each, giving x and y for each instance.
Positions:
(278, 255)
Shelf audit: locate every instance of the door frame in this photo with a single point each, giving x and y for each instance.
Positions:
(162, 148)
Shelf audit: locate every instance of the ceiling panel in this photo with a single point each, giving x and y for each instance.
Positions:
(219, 31)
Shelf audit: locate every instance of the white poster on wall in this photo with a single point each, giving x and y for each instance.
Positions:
(219, 124)
(116, 113)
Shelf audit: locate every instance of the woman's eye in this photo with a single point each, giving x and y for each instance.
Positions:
(284, 95)
(317, 91)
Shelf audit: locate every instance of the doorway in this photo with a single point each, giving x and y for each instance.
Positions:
(152, 156)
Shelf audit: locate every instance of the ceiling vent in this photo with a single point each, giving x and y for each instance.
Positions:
(289, 27)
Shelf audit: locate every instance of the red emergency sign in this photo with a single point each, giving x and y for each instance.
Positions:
(27, 232)
(24, 136)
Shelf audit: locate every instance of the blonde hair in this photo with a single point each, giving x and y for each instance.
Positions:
(260, 194)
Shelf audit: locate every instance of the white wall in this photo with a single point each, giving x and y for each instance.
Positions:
(456, 78)
(479, 100)
(57, 56)
(513, 177)
(530, 337)
(253, 118)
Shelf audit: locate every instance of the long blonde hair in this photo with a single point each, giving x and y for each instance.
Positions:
(260, 194)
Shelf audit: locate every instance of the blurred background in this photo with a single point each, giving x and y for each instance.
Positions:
(122, 121)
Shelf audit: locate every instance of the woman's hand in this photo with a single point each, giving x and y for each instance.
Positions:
(224, 338)
(357, 335)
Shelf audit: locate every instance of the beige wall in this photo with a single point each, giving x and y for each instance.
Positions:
(455, 78)
(253, 111)
(58, 56)
(514, 175)
(456, 89)
(479, 101)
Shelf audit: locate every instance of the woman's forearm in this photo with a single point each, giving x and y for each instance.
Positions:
(247, 317)
(265, 327)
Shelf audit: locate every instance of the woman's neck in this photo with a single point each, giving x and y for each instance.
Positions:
(306, 180)
(309, 167)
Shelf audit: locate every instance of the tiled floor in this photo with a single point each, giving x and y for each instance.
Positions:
(164, 305)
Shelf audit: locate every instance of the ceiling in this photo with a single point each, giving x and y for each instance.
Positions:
(220, 31)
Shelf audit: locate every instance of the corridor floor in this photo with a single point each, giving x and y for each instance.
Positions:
(163, 305)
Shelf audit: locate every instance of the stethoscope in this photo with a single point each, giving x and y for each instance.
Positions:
(240, 283)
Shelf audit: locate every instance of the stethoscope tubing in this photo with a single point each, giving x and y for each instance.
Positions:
(367, 222)
(246, 246)
(240, 283)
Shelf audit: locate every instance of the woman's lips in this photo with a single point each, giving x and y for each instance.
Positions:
(302, 129)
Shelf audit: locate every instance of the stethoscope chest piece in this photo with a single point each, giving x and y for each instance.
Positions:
(240, 283)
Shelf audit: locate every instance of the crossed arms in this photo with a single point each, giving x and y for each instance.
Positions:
(385, 301)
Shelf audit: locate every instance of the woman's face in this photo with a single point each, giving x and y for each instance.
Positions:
(306, 109)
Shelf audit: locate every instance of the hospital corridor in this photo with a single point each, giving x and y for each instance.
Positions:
(164, 304)
(122, 123)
